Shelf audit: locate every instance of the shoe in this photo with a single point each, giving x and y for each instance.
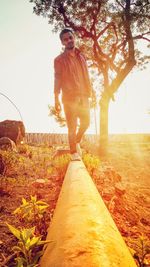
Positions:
(79, 150)
(75, 156)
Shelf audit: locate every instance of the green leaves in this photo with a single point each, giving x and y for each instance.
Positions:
(33, 212)
(61, 163)
(32, 209)
(14, 231)
(27, 243)
(10, 159)
(91, 163)
(57, 116)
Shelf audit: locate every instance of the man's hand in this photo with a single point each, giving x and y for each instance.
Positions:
(57, 105)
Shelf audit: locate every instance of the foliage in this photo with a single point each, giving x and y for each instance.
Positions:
(41, 162)
(140, 250)
(33, 211)
(42, 166)
(10, 160)
(60, 164)
(91, 162)
(25, 150)
(26, 249)
(57, 115)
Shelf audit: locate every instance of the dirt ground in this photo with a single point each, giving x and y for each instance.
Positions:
(132, 163)
(123, 180)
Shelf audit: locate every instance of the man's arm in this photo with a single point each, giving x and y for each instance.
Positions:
(57, 83)
(87, 80)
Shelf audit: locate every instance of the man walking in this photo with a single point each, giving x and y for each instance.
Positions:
(72, 79)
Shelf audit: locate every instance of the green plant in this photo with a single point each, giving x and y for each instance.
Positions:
(140, 249)
(57, 116)
(33, 211)
(60, 164)
(43, 166)
(91, 162)
(25, 150)
(26, 250)
(10, 160)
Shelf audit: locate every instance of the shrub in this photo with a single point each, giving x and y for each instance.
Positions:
(60, 164)
(25, 150)
(91, 162)
(33, 211)
(26, 251)
(9, 159)
(140, 250)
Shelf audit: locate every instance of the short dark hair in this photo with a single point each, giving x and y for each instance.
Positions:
(64, 31)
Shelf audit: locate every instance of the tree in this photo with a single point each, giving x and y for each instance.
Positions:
(109, 31)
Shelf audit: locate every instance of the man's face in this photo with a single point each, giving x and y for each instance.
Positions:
(68, 40)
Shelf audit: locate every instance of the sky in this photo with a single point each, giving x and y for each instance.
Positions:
(27, 51)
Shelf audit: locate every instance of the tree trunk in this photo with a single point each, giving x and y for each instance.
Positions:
(104, 108)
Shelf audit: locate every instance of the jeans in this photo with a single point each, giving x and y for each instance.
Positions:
(77, 109)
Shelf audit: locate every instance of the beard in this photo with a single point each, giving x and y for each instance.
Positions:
(70, 46)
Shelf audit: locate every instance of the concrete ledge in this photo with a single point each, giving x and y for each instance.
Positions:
(82, 232)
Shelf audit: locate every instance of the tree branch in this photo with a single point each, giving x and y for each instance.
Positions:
(142, 36)
(68, 22)
(95, 14)
(140, 15)
(127, 24)
(102, 32)
(119, 4)
(122, 74)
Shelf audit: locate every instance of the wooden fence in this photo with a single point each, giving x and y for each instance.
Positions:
(60, 139)
(52, 139)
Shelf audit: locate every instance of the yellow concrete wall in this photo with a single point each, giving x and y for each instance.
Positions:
(82, 232)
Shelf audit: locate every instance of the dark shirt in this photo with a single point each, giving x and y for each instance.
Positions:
(71, 75)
